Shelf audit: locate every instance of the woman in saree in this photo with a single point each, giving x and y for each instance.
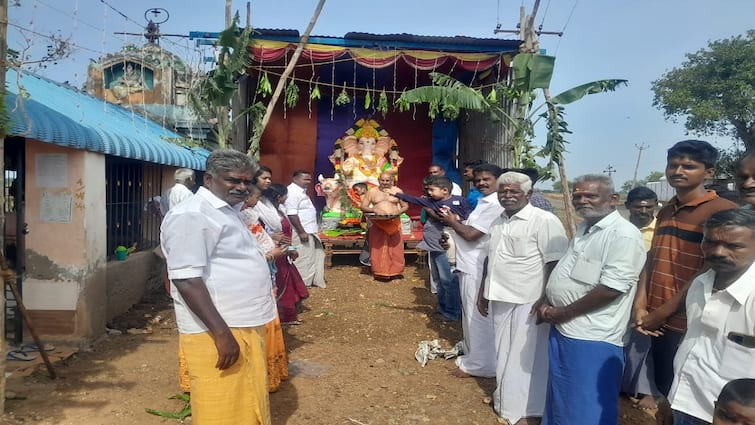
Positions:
(277, 360)
(291, 288)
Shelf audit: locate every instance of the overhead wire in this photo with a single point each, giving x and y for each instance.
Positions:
(77, 20)
(51, 37)
(334, 85)
(498, 14)
(545, 13)
(563, 30)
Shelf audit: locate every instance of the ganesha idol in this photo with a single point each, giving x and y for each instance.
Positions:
(365, 151)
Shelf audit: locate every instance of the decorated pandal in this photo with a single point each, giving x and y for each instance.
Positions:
(364, 152)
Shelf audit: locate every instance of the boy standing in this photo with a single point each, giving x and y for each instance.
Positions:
(441, 202)
(675, 256)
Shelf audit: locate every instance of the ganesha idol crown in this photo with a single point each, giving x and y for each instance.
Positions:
(366, 131)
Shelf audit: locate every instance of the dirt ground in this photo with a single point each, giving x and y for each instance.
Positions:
(351, 362)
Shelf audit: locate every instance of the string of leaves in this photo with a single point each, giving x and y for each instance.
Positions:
(343, 97)
(292, 94)
(265, 89)
(382, 106)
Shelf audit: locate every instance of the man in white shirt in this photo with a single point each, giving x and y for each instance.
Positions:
(184, 182)
(303, 216)
(720, 318)
(472, 240)
(221, 291)
(438, 170)
(525, 244)
(589, 298)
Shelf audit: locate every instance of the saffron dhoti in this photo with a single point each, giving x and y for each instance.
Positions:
(275, 351)
(386, 248)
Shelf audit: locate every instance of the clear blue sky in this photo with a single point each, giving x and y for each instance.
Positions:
(635, 40)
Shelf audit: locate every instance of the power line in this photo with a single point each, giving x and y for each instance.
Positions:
(119, 12)
(547, 6)
(52, 38)
(62, 12)
(571, 13)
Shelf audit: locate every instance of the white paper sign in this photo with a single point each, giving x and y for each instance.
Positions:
(51, 169)
(56, 207)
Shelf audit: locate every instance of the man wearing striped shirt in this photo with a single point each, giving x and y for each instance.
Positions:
(675, 256)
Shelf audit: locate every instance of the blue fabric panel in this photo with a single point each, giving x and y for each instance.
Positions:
(445, 135)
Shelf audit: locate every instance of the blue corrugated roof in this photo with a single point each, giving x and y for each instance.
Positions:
(53, 113)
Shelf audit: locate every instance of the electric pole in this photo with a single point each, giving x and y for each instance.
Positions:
(640, 148)
(228, 14)
(609, 170)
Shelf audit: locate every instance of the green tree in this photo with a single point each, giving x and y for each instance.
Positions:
(714, 89)
(629, 185)
(652, 177)
(557, 187)
(727, 162)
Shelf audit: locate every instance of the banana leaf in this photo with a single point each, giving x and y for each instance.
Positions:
(532, 71)
(466, 98)
(576, 93)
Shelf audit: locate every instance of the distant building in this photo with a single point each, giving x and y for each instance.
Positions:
(664, 190)
(150, 81)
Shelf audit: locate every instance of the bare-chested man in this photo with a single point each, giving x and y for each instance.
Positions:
(379, 201)
(385, 230)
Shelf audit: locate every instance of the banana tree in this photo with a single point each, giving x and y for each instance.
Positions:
(212, 97)
(448, 96)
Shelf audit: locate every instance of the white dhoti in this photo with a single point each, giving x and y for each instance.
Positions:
(479, 357)
(311, 260)
(522, 372)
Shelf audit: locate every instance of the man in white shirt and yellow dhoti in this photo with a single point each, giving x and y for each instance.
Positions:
(221, 289)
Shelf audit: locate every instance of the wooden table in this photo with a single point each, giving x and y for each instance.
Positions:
(352, 244)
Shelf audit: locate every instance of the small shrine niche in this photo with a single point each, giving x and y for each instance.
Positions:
(126, 78)
(147, 75)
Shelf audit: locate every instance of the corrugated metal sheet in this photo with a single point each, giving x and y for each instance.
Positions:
(385, 41)
(53, 113)
(458, 40)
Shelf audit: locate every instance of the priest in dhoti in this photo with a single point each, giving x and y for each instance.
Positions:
(386, 243)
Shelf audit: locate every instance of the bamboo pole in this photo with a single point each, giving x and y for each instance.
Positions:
(289, 68)
(9, 277)
(27, 320)
(569, 213)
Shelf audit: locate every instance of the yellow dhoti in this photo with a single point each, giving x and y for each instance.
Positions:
(237, 395)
